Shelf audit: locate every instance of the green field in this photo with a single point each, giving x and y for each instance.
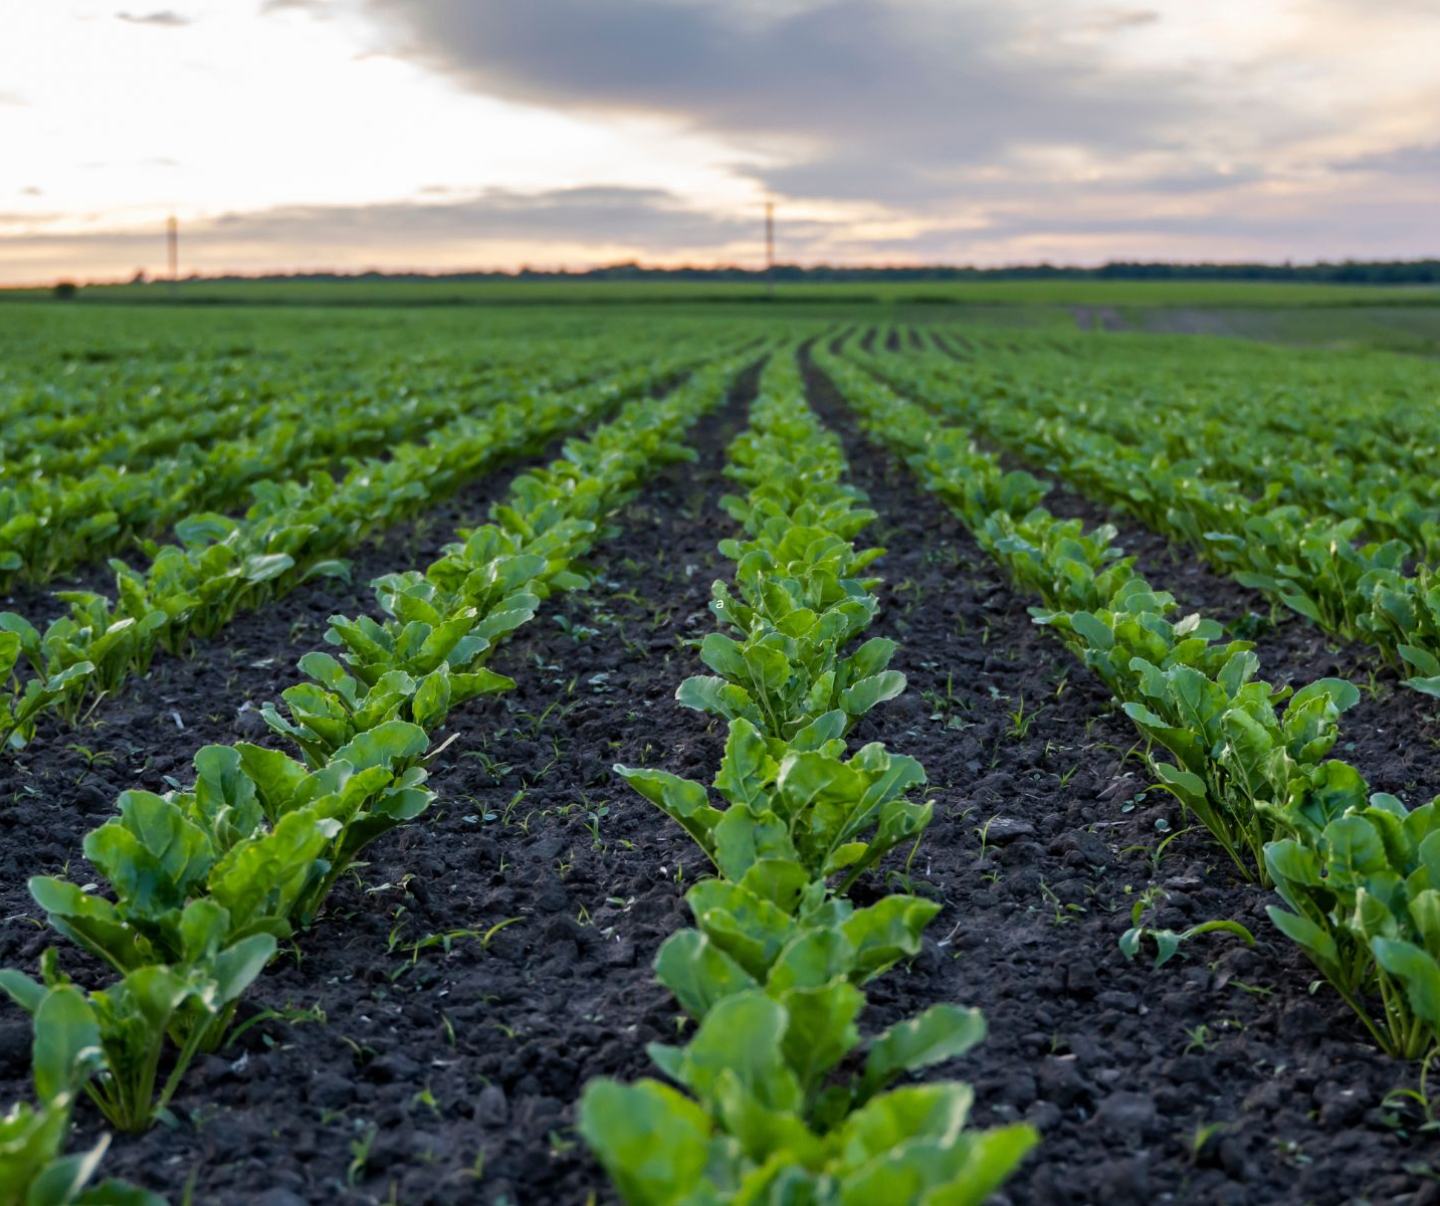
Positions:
(436, 739)
(1206, 294)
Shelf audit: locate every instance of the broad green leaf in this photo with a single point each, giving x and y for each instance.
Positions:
(698, 972)
(942, 1032)
(653, 1141)
(1416, 970)
(66, 1043)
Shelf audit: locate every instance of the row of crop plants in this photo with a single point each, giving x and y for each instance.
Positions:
(206, 881)
(294, 532)
(61, 413)
(773, 975)
(1355, 465)
(1192, 413)
(1357, 416)
(206, 401)
(1358, 873)
(1308, 562)
(53, 520)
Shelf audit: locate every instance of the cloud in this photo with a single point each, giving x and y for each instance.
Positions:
(1415, 160)
(165, 18)
(831, 98)
(579, 227)
(967, 130)
(644, 218)
(623, 221)
(1127, 18)
(315, 7)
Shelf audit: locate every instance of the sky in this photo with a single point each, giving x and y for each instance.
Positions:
(452, 134)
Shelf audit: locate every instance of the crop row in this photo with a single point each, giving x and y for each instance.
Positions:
(773, 973)
(1309, 563)
(133, 432)
(206, 881)
(1356, 413)
(66, 381)
(51, 521)
(1359, 873)
(1351, 467)
(1349, 471)
(292, 533)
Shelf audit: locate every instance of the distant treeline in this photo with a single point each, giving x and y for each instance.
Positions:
(1351, 272)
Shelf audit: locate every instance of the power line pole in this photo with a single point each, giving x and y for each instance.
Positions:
(770, 245)
(172, 248)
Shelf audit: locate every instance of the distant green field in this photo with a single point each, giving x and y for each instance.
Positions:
(1118, 294)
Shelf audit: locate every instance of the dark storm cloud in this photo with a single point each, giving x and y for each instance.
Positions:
(865, 98)
(165, 19)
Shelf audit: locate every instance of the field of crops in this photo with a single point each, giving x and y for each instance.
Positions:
(567, 754)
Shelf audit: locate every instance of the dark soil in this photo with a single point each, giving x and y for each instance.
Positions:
(1043, 839)
(463, 1063)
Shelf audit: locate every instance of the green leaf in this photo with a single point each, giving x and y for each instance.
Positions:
(388, 743)
(716, 697)
(811, 959)
(750, 929)
(66, 1044)
(742, 840)
(61, 1181)
(747, 771)
(894, 1121)
(1417, 970)
(1342, 693)
(25, 992)
(653, 1141)
(888, 931)
(1097, 634)
(264, 567)
(90, 921)
(1318, 944)
(741, 1037)
(868, 692)
(820, 1030)
(698, 972)
(152, 855)
(942, 1032)
(1186, 784)
(236, 967)
(683, 800)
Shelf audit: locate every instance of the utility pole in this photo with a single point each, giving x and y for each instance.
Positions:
(770, 246)
(172, 248)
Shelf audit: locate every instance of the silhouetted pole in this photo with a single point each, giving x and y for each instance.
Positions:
(770, 245)
(172, 247)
